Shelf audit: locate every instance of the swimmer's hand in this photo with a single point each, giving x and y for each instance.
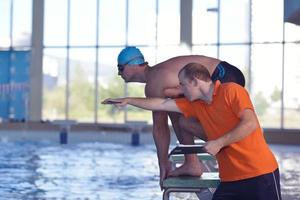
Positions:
(119, 102)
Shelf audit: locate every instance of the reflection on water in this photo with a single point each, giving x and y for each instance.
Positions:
(102, 171)
(288, 158)
(85, 171)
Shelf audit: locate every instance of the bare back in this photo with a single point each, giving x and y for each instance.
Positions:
(158, 78)
(165, 74)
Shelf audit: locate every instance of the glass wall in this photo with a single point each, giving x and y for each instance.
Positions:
(54, 83)
(291, 99)
(255, 39)
(266, 79)
(205, 22)
(15, 57)
(83, 38)
(15, 20)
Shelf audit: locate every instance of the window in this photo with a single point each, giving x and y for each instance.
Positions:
(21, 26)
(168, 23)
(141, 22)
(205, 21)
(83, 20)
(5, 21)
(82, 84)
(266, 77)
(55, 23)
(267, 17)
(54, 83)
(15, 56)
(291, 84)
(234, 21)
(112, 22)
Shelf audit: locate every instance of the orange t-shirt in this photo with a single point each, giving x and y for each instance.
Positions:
(249, 157)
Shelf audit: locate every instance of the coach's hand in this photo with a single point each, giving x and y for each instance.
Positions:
(213, 147)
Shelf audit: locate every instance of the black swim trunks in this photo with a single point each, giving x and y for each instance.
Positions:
(226, 72)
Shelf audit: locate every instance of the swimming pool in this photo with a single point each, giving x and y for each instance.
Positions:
(46, 170)
(83, 171)
(288, 157)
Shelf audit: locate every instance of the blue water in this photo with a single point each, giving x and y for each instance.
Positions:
(103, 171)
(84, 171)
(288, 157)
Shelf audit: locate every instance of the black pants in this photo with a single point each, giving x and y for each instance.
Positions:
(264, 187)
(226, 72)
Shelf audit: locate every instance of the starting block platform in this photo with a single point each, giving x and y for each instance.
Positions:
(203, 186)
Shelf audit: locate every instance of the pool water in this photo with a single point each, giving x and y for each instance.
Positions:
(83, 171)
(44, 170)
(288, 157)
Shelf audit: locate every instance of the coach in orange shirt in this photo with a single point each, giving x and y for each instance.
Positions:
(247, 167)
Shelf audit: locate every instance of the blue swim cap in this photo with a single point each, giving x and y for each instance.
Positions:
(130, 56)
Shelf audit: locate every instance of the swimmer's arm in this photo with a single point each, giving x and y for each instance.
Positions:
(154, 104)
(173, 92)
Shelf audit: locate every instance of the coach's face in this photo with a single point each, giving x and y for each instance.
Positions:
(188, 87)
